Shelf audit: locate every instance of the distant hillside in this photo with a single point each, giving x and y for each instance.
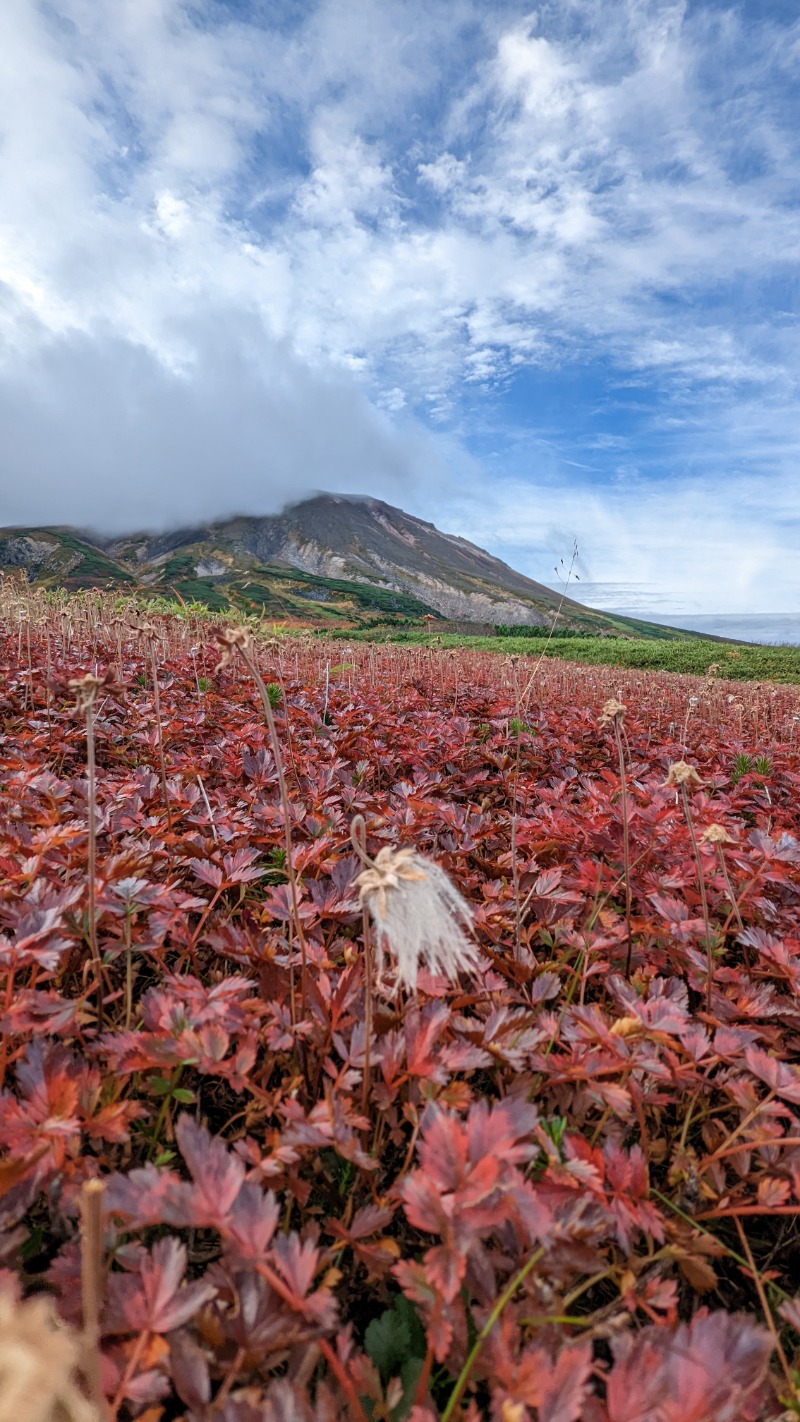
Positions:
(330, 560)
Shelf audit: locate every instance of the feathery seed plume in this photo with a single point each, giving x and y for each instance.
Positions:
(418, 914)
(40, 1365)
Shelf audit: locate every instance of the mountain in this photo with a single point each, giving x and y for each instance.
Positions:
(332, 559)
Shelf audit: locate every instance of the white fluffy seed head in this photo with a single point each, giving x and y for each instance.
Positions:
(420, 918)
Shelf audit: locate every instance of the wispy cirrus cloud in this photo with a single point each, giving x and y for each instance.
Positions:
(544, 257)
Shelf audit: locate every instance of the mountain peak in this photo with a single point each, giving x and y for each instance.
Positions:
(324, 558)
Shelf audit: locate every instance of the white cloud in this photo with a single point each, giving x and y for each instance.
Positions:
(246, 429)
(662, 547)
(217, 216)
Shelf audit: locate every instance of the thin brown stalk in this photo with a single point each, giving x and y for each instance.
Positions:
(767, 1311)
(151, 648)
(626, 844)
(207, 803)
(92, 1286)
(703, 896)
(529, 687)
(358, 839)
(367, 1009)
(287, 819)
(514, 817)
(91, 867)
(729, 887)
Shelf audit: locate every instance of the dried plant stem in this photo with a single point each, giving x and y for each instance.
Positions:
(92, 1286)
(514, 861)
(91, 868)
(128, 967)
(287, 821)
(367, 1009)
(626, 843)
(162, 766)
(207, 804)
(358, 838)
(703, 896)
(742, 1126)
(767, 1311)
(729, 887)
(514, 817)
(531, 679)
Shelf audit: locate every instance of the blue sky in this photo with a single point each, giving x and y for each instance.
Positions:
(528, 271)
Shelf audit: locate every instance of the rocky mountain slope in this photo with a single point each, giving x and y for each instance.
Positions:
(326, 561)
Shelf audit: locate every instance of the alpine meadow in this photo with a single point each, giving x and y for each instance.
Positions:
(399, 711)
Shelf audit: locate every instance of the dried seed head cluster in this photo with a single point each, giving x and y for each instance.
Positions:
(716, 834)
(419, 916)
(389, 868)
(230, 641)
(85, 688)
(39, 1365)
(682, 773)
(613, 710)
(144, 629)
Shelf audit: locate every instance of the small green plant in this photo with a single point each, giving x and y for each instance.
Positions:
(745, 764)
(276, 859)
(555, 1128)
(275, 694)
(395, 1343)
(742, 765)
(204, 683)
(172, 1094)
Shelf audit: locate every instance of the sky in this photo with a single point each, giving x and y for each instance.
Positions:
(531, 273)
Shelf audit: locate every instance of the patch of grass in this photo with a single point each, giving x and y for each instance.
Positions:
(692, 655)
(199, 590)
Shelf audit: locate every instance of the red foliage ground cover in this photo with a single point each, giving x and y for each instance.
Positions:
(560, 1193)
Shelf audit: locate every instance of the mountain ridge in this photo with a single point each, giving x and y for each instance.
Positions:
(342, 555)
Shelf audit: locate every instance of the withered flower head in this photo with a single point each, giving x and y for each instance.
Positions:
(85, 688)
(389, 867)
(681, 773)
(40, 1365)
(419, 916)
(717, 834)
(613, 710)
(231, 640)
(144, 628)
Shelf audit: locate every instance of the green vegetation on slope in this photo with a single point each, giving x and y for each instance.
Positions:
(737, 661)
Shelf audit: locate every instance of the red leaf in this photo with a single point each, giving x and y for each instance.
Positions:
(217, 1177)
(783, 1079)
(155, 1300)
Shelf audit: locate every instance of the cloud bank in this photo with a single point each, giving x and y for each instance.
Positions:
(98, 431)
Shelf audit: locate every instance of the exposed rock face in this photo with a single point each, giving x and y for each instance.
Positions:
(26, 551)
(212, 568)
(350, 541)
(367, 541)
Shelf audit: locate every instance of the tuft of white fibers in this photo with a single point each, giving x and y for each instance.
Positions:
(419, 916)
